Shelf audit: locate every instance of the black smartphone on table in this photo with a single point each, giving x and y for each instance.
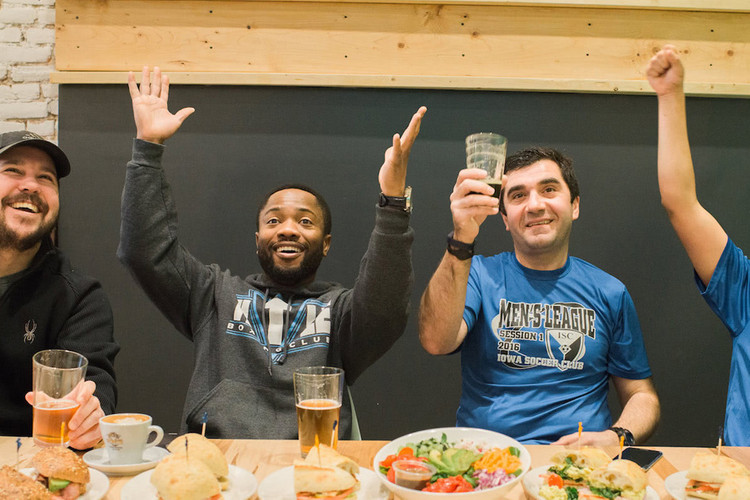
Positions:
(644, 457)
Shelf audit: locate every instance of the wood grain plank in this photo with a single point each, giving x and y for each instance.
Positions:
(597, 49)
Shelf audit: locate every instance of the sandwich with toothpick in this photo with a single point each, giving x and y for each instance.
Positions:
(325, 474)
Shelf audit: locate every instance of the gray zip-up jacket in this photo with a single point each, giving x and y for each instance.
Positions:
(249, 333)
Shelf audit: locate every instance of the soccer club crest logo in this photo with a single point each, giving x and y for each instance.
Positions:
(566, 346)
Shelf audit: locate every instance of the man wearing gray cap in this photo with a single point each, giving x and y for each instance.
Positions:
(44, 303)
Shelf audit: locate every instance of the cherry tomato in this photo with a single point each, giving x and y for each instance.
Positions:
(450, 485)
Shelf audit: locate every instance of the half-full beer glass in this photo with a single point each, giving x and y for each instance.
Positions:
(57, 375)
(318, 392)
(486, 150)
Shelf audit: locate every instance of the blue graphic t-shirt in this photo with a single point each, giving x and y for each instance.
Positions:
(728, 295)
(541, 346)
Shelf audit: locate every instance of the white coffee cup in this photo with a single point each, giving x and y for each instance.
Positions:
(126, 436)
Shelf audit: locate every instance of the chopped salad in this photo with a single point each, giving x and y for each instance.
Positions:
(461, 466)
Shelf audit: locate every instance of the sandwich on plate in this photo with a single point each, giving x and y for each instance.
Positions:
(735, 487)
(575, 465)
(609, 480)
(181, 477)
(62, 472)
(18, 486)
(204, 450)
(619, 479)
(707, 473)
(325, 474)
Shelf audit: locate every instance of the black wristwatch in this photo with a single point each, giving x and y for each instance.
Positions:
(628, 439)
(459, 249)
(402, 202)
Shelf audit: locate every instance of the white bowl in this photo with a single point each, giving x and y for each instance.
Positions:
(454, 434)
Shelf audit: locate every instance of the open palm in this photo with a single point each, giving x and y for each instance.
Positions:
(153, 121)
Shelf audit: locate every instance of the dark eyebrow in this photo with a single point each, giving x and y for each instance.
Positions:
(300, 209)
(543, 182)
(551, 180)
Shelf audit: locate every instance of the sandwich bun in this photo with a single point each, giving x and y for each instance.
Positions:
(178, 477)
(623, 475)
(19, 486)
(204, 450)
(61, 463)
(588, 457)
(325, 473)
(735, 487)
(711, 468)
(317, 479)
(325, 455)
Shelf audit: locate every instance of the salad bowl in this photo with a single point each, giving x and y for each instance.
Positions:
(478, 439)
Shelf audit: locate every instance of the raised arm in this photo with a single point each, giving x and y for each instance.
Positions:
(372, 316)
(700, 234)
(149, 247)
(441, 325)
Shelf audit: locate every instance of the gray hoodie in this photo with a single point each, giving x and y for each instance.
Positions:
(249, 333)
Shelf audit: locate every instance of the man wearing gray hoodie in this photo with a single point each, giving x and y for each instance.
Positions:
(250, 334)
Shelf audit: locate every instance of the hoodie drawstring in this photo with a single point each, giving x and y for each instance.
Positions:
(284, 339)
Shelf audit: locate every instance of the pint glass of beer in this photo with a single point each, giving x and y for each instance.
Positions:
(57, 375)
(318, 391)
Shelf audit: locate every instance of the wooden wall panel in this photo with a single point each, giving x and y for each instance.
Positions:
(455, 45)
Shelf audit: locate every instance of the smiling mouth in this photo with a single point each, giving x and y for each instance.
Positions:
(539, 223)
(25, 207)
(288, 250)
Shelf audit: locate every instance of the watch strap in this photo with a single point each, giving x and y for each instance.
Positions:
(459, 249)
(628, 439)
(402, 202)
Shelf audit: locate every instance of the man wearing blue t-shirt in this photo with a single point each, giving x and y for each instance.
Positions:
(540, 333)
(722, 272)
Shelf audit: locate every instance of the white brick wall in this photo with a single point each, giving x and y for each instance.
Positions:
(27, 56)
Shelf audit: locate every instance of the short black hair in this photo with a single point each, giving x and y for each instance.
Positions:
(302, 187)
(529, 156)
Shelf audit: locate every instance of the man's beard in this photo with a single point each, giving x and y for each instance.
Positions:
(290, 276)
(10, 239)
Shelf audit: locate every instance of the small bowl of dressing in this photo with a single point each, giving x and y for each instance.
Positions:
(413, 474)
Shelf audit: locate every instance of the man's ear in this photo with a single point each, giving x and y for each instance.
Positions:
(576, 206)
(326, 244)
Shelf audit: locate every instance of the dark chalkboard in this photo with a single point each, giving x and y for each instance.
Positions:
(242, 141)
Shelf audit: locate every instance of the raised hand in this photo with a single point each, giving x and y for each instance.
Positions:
(471, 203)
(153, 121)
(392, 176)
(665, 72)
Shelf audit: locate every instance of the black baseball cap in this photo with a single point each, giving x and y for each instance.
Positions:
(25, 138)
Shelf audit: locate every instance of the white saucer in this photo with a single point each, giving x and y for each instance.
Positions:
(98, 459)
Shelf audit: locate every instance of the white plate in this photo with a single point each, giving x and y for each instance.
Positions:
(675, 484)
(280, 486)
(478, 436)
(242, 485)
(99, 460)
(532, 482)
(95, 489)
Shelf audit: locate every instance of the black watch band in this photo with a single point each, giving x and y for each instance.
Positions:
(402, 202)
(459, 249)
(628, 439)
